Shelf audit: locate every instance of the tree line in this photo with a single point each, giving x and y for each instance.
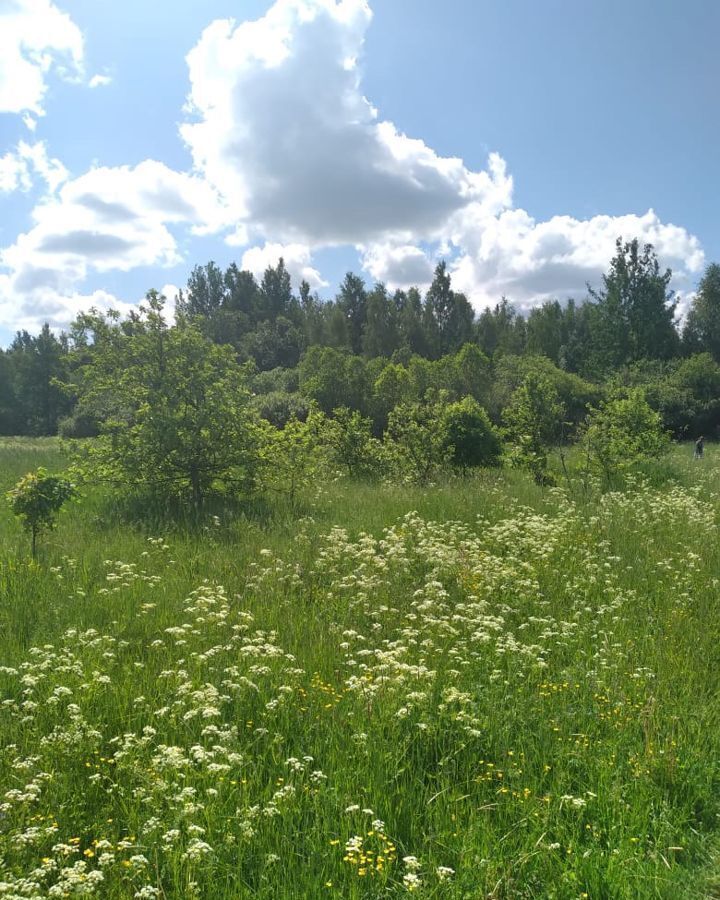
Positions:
(368, 349)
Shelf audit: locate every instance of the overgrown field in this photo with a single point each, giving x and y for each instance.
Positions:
(477, 690)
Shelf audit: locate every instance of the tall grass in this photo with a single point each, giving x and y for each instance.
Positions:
(480, 689)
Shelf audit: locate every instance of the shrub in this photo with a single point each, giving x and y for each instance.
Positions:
(279, 408)
(78, 425)
(622, 432)
(416, 441)
(470, 436)
(37, 499)
(535, 420)
(349, 437)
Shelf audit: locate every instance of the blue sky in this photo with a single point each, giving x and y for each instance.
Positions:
(516, 139)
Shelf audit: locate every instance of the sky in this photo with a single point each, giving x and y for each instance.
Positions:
(517, 140)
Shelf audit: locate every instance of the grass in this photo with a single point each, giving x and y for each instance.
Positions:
(481, 677)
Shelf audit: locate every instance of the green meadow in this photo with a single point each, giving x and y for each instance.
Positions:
(478, 689)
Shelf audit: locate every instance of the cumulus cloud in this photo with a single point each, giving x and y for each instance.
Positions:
(289, 157)
(35, 38)
(107, 219)
(297, 259)
(284, 131)
(513, 255)
(398, 266)
(19, 167)
(14, 173)
(286, 134)
(55, 308)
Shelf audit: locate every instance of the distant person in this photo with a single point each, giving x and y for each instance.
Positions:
(699, 447)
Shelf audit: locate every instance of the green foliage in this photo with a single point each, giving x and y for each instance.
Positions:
(702, 325)
(470, 435)
(623, 431)
(278, 407)
(380, 337)
(79, 425)
(534, 419)
(32, 401)
(501, 330)
(416, 441)
(37, 499)
(223, 712)
(180, 422)
(292, 458)
(466, 373)
(333, 379)
(447, 317)
(686, 392)
(634, 309)
(353, 448)
(575, 394)
(278, 379)
(392, 387)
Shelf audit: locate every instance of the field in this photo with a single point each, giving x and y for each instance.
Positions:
(478, 690)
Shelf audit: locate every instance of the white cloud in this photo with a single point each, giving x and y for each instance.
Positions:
(398, 266)
(57, 309)
(513, 255)
(107, 219)
(170, 292)
(289, 156)
(284, 131)
(297, 259)
(286, 134)
(99, 81)
(17, 168)
(14, 173)
(35, 37)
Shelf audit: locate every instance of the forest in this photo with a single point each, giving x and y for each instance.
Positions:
(369, 350)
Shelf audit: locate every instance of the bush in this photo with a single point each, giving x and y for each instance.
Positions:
(279, 408)
(535, 420)
(37, 499)
(181, 424)
(470, 436)
(349, 436)
(292, 458)
(78, 425)
(416, 441)
(622, 432)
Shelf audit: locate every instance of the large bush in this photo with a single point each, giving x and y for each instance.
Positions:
(470, 435)
(352, 445)
(623, 431)
(181, 423)
(535, 420)
(416, 441)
